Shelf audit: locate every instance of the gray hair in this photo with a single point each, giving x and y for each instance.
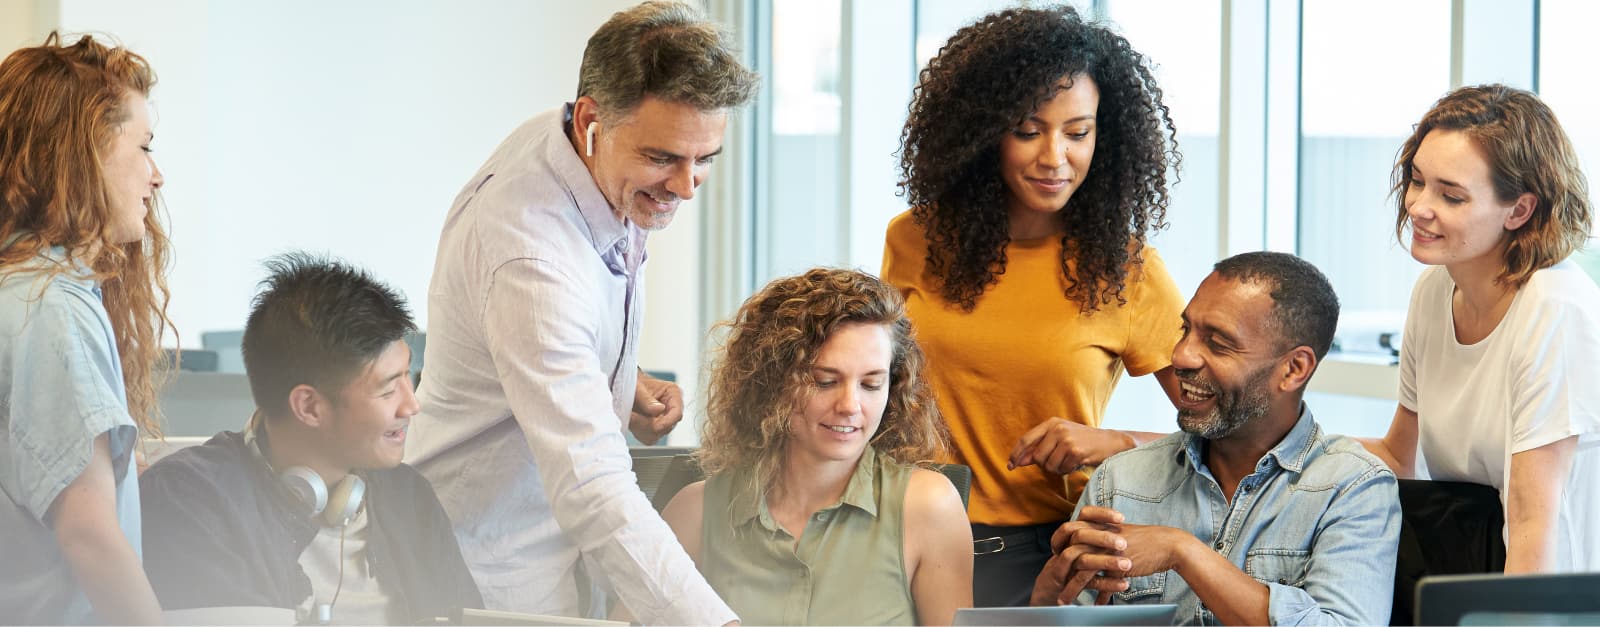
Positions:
(667, 50)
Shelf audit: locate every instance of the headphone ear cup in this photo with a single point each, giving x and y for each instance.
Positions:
(307, 487)
(344, 501)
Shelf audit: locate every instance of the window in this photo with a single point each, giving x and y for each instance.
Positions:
(1357, 106)
(1566, 54)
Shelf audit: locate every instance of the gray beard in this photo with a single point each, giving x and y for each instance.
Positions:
(1233, 409)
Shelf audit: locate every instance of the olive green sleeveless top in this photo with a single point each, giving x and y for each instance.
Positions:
(848, 568)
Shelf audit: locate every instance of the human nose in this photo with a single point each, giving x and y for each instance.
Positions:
(409, 405)
(848, 402)
(156, 180)
(1055, 151)
(683, 181)
(1184, 356)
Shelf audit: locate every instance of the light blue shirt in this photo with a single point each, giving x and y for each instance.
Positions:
(1318, 522)
(534, 312)
(60, 388)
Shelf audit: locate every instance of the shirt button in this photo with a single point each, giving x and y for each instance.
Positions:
(1218, 545)
(822, 516)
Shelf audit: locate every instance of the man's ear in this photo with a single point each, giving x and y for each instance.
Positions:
(584, 111)
(1297, 370)
(1522, 211)
(309, 406)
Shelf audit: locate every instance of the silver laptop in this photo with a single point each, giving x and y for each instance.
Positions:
(496, 617)
(1088, 615)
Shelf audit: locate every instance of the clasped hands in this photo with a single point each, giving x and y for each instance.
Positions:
(1099, 552)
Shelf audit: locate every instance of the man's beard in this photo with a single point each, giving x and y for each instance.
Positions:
(1233, 408)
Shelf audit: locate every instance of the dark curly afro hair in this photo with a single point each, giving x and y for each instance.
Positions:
(986, 81)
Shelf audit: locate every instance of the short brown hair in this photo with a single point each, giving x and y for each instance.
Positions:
(666, 50)
(763, 372)
(1528, 152)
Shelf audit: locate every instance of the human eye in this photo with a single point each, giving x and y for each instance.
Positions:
(872, 385)
(824, 383)
(660, 160)
(1024, 132)
(704, 161)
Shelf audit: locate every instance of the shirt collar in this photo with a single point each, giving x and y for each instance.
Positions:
(607, 231)
(861, 493)
(1290, 453)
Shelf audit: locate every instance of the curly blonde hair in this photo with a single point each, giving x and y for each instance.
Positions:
(60, 108)
(763, 372)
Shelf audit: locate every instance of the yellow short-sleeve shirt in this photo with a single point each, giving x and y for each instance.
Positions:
(1026, 353)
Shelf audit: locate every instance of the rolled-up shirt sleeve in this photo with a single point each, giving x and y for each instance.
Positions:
(543, 331)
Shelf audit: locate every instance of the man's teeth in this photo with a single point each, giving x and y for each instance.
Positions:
(843, 429)
(1195, 391)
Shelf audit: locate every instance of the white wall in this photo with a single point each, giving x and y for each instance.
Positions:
(348, 128)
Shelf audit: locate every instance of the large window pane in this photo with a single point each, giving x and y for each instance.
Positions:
(1183, 41)
(1364, 83)
(799, 183)
(1567, 50)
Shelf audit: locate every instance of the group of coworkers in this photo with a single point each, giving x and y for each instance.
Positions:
(1013, 294)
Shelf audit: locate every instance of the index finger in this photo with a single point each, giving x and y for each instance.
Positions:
(1026, 442)
(1092, 513)
(1064, 534)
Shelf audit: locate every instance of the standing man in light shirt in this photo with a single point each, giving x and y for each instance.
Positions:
(534, 318)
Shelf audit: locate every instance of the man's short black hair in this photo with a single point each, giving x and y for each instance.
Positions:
(1305, 308)
(318, 322)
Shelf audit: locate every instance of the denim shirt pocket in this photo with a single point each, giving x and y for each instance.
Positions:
(1280, 566)
(1144, 589)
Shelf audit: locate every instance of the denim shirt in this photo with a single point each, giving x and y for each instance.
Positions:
(1317, 522)
(60, 388)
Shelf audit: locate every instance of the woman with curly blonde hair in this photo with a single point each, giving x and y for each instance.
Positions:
(816, 510)
(1035, 158)
(82, 310)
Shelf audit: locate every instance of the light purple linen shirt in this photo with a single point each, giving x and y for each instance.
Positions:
(533, 322)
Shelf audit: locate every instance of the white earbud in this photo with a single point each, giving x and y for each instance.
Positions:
(588, 139)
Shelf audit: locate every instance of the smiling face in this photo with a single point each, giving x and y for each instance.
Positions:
(373, 412)
(131, 174)
(653, 158)
(845, 408)
(1227, 358)
(1455, 216)
(1046, 157)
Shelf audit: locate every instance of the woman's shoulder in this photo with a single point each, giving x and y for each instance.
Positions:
(904, 231)
(1563, 283)
(930, 492)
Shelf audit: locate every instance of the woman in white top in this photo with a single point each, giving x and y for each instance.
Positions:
(1499, 381)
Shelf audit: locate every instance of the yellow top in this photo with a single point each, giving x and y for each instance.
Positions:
(1026, 353)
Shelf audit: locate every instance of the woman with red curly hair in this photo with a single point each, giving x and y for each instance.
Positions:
(1035, 159)
(82, 309)
(817, 510)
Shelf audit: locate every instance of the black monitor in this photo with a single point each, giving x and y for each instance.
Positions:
(1508, 599)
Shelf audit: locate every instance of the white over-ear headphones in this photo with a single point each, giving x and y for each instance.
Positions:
(588, 139)
(333, 509)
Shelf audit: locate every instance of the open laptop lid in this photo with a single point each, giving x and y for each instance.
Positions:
(1087, 615)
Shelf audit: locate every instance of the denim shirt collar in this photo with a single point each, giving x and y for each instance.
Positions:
(1290, 453)
(607, 231)
(861, 493)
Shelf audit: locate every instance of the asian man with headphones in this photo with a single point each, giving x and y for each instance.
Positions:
(309, 508)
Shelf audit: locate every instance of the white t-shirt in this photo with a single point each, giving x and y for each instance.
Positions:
(361, 601)
(1533, 381)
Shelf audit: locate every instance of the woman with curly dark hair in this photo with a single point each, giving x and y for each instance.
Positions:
(1035, 159)
(816, 511)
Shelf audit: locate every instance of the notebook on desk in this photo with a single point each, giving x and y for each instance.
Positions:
(496, 617)
(1088, 615)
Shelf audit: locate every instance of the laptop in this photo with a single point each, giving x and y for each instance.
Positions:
(1088, 615)
(1496, 599)
(496, 617)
